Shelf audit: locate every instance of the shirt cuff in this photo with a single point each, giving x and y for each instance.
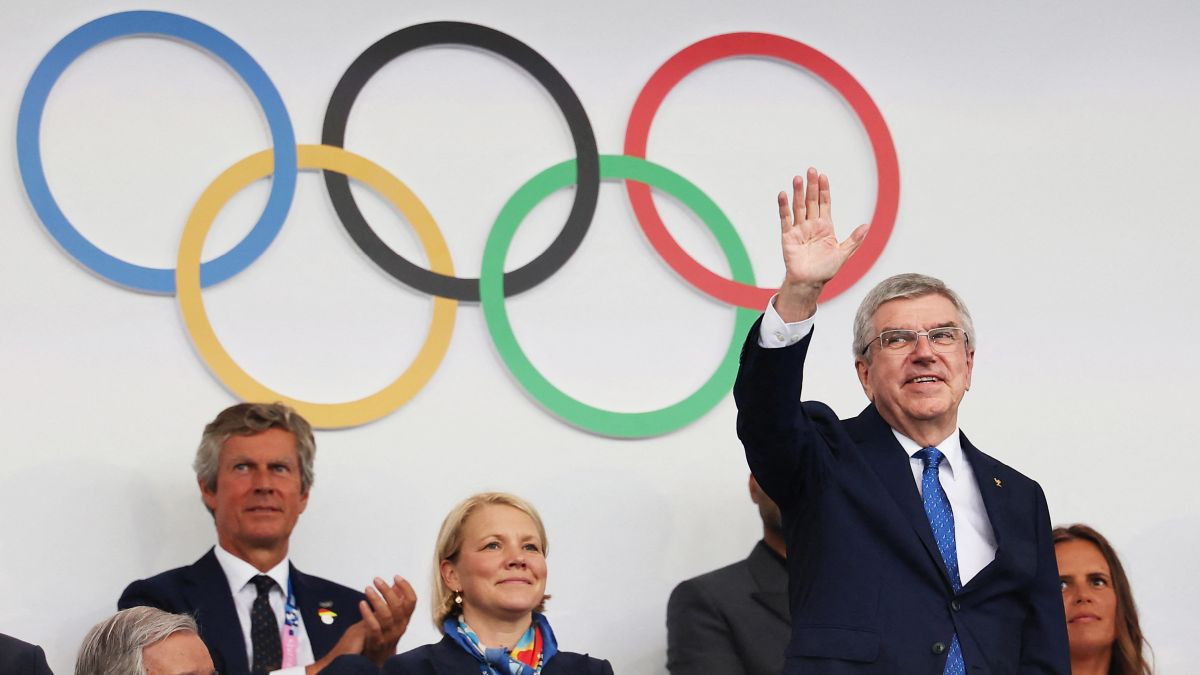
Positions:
(774, 333)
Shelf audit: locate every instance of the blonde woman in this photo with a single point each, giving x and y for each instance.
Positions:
(489, 593)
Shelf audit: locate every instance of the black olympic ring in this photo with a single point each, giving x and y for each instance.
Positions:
(587, 156)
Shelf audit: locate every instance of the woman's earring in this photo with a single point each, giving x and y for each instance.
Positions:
(457, 598)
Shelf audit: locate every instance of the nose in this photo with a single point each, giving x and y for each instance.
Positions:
(924, 349)
(261, 481)
(518, 560)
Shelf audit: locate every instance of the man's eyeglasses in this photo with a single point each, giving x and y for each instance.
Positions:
(945, 339)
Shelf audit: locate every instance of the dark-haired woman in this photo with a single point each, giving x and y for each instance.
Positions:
(1102, 620)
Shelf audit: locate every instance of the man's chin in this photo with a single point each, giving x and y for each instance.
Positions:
(265, 537)
(928, 409)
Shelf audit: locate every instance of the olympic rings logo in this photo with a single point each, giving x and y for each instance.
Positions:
(287, 157)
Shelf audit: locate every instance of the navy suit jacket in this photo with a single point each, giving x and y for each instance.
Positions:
(867, 587)
(448, 658)
(21, 658)
(732, 621)
(202, 590)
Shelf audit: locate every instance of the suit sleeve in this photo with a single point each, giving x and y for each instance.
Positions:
(143, 593)
(1044, 646)
(772, 425)
(698, 636)
(351, 664)
(406, 664)
(22, 658)
(38, 665)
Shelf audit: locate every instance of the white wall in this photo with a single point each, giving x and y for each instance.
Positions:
(1048, 172)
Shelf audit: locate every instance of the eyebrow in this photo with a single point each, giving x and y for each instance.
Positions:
(945, 324)
(1086, 575)
(247, 459)
(527, 537)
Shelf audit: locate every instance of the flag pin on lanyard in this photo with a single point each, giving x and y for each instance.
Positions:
(291, 626)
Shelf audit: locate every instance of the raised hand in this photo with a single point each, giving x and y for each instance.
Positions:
(812, 255)
(386, 617)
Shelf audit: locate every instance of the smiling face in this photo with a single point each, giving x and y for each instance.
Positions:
(918, 392)
(1088, 597)
(500, 569)
(258, 498)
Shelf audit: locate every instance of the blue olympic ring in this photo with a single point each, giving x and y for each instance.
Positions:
(29, 154)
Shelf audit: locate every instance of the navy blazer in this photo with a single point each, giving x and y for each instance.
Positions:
(732, 621)
(21, 658)
(202, 590)
(867, 587)
(448, 658)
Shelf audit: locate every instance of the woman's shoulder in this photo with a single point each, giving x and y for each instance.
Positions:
(421, 659)
(570, 662)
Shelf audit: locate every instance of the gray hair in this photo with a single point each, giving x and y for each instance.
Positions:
(903, 286)
(247, 419)
(114, 646)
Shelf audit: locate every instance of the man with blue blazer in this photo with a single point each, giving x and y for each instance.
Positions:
(257, 612)
(909, 550)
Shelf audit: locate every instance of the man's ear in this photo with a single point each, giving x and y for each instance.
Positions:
(970, 367)
(755, 490)
(209, 496)
(864, 370)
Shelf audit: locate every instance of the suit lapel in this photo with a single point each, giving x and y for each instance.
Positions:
(770, 581)
(322, 635)
(208, 591)
(891, 465)
(987, 474)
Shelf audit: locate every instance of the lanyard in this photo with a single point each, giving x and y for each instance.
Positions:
(289, 636)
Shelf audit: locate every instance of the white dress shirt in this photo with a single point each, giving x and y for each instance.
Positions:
(239, 574)
(974, 539)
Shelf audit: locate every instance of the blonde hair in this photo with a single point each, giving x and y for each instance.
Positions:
(450, 540)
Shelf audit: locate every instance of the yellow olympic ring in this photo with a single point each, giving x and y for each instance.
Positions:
(195, 318)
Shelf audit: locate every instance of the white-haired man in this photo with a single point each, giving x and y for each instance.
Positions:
(909, 550)
(144, 641)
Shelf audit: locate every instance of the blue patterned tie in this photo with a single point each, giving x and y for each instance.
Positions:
(941, 519)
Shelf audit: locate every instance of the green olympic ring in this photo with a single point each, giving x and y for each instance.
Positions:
(570, 410)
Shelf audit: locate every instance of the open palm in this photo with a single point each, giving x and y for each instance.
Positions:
(812, 254)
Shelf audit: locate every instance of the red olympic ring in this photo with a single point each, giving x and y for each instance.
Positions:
(761, 44)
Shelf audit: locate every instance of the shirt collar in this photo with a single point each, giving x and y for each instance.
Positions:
(950, 447)
(238, 572)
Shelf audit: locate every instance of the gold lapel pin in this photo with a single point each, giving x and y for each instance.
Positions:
(997, 482)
